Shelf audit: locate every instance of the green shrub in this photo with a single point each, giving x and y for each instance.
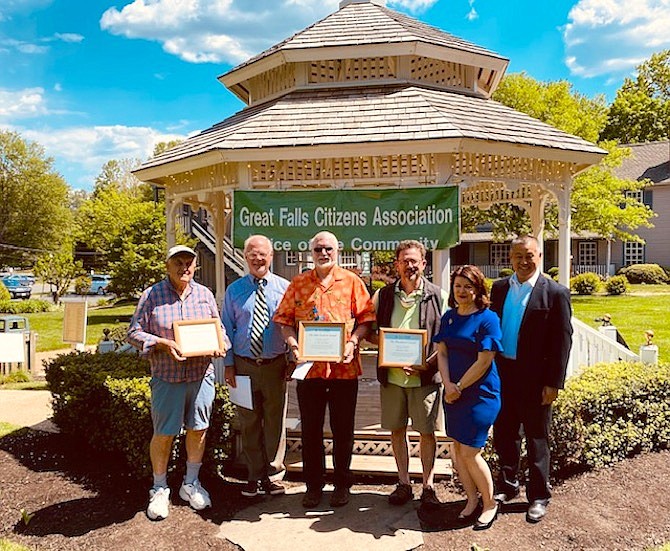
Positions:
(105, 399)
(30, 306)
(4, 293)
(651, 274)
(553, 273)
(616, 285)
(505, 272)
(585, 284)
(608, 413)
(82, 285)
(19, 376)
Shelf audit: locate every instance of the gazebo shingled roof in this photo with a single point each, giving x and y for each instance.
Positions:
(381, 114)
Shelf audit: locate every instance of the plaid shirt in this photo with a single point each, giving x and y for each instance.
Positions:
(345, 300)
(159, 306)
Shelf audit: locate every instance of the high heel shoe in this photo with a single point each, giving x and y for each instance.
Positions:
(480, 525)
(470, 516)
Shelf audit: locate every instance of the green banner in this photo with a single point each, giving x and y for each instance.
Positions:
(362, 220)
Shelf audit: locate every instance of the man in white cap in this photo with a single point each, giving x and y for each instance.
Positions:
(182, 389)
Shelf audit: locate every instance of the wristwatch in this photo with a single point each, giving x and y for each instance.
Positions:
(458, 386)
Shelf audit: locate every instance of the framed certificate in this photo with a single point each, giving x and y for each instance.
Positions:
(198, 337)
(402, 347)
(321, 341)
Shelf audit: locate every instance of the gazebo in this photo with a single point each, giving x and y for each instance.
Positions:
(371, 98)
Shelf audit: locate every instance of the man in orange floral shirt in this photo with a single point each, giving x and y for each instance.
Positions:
(332, 294)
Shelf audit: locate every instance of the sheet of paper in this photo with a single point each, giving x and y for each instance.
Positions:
(301, 370)
(241, 395)
(12, 349)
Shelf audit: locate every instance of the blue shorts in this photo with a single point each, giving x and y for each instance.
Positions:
(174, 405)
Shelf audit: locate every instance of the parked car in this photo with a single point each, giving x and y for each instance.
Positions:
(99, 284)
(16, 287)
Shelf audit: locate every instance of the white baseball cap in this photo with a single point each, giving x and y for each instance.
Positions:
(178, 249)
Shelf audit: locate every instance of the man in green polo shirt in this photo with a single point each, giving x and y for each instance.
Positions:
(412, 302)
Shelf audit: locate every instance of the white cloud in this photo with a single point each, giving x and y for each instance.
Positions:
(69, 37)
(611, 37)
(21, 104)
(221, 31)
(82, 151)
(472, 14)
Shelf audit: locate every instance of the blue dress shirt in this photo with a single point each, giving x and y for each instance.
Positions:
(513, 310)
(237, 313)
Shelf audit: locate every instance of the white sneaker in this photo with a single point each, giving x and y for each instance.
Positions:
(196, 495)
(159, 501)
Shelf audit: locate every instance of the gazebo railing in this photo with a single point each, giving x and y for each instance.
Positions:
(590, 347)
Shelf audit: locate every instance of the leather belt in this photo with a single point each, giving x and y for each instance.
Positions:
(259, 361)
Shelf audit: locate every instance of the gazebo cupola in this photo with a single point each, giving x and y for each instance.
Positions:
(380, 47)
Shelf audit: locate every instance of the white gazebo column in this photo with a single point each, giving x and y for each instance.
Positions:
(219, 215)
(171, 206)
(536, 213)
(564, 245)
(441, 268)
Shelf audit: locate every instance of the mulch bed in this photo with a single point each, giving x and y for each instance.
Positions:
(79, 500)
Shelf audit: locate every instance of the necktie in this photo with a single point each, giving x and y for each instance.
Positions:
(260, 319)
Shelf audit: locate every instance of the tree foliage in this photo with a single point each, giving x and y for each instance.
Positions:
(641, 110)
(126, 227)
(58, 269)
(34, 213)
(554, 103)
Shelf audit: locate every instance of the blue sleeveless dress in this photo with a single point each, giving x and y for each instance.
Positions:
(470, 418)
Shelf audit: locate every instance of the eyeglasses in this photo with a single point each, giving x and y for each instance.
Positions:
(321, 249)
(257, 256)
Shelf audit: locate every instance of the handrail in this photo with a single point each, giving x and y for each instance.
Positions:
(230, 255)
(590, 347)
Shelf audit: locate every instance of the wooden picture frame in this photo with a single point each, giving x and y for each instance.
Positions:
(199, 337)
(321, 341)
(402, 348)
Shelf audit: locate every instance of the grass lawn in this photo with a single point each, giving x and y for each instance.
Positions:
(49, 325)
(645, 307)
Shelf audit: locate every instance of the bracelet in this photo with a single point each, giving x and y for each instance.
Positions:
(458, 386)
(355, 343)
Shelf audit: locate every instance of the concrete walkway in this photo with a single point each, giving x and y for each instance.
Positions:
(27, 408)
(367, 522)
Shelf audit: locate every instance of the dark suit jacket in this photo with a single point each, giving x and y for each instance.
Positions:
(545, 336)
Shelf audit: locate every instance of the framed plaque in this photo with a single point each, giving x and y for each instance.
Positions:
(198, 337)
(402, 347)
(321, 341)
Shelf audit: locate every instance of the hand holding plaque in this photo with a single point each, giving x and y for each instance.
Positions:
(320, 341)
(199, 337)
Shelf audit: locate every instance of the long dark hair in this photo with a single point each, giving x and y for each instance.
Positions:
(475, 276)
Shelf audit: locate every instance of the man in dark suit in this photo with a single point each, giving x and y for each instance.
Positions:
(535, 315)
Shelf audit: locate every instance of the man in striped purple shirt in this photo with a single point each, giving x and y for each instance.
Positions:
(182, 389)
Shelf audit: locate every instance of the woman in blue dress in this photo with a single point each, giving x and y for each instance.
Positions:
(468, 340)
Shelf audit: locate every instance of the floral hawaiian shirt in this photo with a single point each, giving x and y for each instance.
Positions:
(345, 300)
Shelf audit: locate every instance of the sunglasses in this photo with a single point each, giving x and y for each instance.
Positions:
(321, 249)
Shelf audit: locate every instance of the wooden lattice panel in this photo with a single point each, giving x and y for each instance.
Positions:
(371, 446)
(272, 82)
(346, 70)
(509, 168)
(347, 168)
(211, 178)
(435, 71)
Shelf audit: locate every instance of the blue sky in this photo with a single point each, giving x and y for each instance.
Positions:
(94, 80)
